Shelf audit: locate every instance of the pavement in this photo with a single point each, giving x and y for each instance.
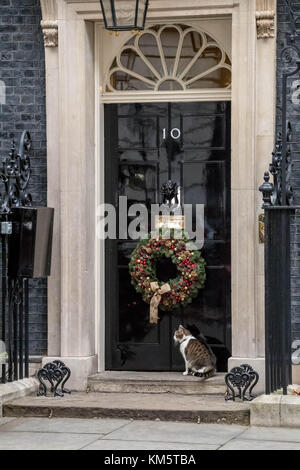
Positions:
(117, 434)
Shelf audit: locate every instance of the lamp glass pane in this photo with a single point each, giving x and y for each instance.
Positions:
(108, 12)
(141, 13)
(125, 13)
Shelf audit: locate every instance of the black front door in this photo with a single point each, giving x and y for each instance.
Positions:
(145, 146)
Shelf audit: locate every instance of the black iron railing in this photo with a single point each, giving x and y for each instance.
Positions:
(14, 333)
(279, 213)
(278, 297)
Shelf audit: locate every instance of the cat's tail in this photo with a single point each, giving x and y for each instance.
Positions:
(205, 373)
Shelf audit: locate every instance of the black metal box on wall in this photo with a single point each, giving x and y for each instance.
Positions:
(30, 245)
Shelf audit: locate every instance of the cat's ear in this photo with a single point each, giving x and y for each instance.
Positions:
(181, 327)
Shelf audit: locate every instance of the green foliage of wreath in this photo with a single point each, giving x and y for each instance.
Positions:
(190, 265)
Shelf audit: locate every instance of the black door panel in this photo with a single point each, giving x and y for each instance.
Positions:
(145, 145)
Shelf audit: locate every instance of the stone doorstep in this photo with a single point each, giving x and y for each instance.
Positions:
(155, 382)
(164, 407)
(276, 411)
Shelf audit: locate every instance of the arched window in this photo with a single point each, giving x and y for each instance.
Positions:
(169, 58)
(2, 92)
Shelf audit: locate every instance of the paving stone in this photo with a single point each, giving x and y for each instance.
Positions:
(94, 434)
(42, 441)
(6, 420)
(243, 444)
(178, 432)
(63, 425)
(141, 445)
(273, 434)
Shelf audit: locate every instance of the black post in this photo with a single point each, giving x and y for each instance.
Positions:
(14, 310)
(4, 297)
(10, 335)
(26, 319)
(21, 331)
(268, 298)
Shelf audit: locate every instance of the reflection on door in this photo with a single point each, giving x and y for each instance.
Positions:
(145, 146)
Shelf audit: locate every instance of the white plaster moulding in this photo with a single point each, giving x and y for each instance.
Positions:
(190, 8)
(156, 4)
(184, 96)
(166, 14)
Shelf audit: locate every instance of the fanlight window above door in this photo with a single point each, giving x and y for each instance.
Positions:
(169, 58)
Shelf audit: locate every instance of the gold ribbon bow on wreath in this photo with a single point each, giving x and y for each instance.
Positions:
(155, 301)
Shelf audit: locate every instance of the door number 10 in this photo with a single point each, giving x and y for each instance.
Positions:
(174, 133)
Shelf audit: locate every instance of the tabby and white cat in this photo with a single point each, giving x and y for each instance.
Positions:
(198, 356)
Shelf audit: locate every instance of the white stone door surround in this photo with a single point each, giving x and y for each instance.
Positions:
(76, 178)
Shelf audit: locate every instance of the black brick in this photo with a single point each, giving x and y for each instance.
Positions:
(22, 68)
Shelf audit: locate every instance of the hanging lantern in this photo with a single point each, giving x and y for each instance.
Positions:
(124, 15)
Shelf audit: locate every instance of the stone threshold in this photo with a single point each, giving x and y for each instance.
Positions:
(155, 382)
(276, 411)
(164, 407)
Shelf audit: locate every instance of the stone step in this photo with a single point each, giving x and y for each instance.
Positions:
(164, 407)
(155, 382)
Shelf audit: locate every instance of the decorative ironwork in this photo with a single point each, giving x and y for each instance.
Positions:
(57, 374)
(15, 175)
(168, 73)
(169, 192)
(290, 54)
(294, 19)
(244, 379)
(280, 192)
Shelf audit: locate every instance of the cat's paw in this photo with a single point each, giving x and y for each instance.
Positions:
(185, 373)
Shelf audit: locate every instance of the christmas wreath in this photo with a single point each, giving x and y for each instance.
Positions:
(176, 292)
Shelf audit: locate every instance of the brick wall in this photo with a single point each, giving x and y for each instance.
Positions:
(22, 106)
(294, 116)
